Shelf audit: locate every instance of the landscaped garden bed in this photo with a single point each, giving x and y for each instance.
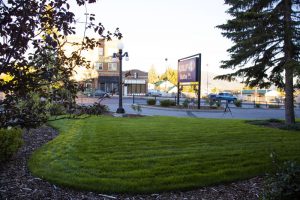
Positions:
(156, 154)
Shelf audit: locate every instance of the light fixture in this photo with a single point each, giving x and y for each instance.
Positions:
(119, 56)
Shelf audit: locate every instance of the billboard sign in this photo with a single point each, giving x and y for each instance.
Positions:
(187, 70)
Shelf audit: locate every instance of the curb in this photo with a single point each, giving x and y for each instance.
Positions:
(183, 110)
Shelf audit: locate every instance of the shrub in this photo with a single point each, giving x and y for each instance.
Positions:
(274, 106)
(238, 103)
(151, 102)
(257, 105)
(212, 103)
(218, 103)
(57, 109)
(185, 103)
(167, 103)
(284, 182)
(95, 109)
(10, 142)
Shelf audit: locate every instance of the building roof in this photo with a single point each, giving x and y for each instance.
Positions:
(132, 71)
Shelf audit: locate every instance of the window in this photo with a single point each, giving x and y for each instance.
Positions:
(100, 51)
(112, 66)
(99, 66)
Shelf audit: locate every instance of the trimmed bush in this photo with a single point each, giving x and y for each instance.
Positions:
(257, 105)
(167, 103)
(218, 104)
(151, 102)
(238, 103)
(185, 103)
(274, 106)
(10, 142)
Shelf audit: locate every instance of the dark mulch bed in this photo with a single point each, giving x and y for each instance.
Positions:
(275, 123)
(16, 182)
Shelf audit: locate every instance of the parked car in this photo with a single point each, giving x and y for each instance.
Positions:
(154, 93)
(101, 93)
(226, 96)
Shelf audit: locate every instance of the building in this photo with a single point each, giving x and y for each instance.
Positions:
(135, 82)
(104, 73)
(108, 70)
(260, 95)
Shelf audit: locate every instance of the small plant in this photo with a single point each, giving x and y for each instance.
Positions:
(185, 103)
(238, 103)
(10, 142)
(167, 103)
(151, 102)
(283, 182)
(257, 105)
(136, 107)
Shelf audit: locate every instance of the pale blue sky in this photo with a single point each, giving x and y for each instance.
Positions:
(158, 29)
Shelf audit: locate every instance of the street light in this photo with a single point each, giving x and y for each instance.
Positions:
(120, 56)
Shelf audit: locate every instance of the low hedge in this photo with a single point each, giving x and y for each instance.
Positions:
(274, 106)
(151, 102)
(167, 103)
(10, 142)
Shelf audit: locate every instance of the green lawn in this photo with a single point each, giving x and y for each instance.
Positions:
(154, 154)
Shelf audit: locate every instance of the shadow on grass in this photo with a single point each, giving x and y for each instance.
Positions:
(275, 123)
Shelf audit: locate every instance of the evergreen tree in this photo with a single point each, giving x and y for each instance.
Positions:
(266, 36)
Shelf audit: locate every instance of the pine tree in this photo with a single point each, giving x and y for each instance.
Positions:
(266, 36)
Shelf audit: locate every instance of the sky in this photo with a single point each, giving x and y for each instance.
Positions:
(159, 29)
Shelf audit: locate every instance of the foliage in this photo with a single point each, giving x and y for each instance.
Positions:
(170, 75)
(151, 101)
(152, 75)
(29, 111)
(266, 46)
(257, 105)
(136, 107)
(97, 153)
(238, 103)
(32, 53)
(274, 106)
(57, 109)
(10, 142)
(218, 103)
(96, 109)
(284, 182)
(186, 103)
(167, 103)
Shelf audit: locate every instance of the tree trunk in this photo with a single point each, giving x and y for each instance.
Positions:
(289, 69)
(289, 96)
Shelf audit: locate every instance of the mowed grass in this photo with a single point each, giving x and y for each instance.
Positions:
(155, 154)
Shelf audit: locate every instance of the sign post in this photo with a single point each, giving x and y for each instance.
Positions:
(189, 70)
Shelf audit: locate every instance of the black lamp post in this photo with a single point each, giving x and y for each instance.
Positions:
(120, 56)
